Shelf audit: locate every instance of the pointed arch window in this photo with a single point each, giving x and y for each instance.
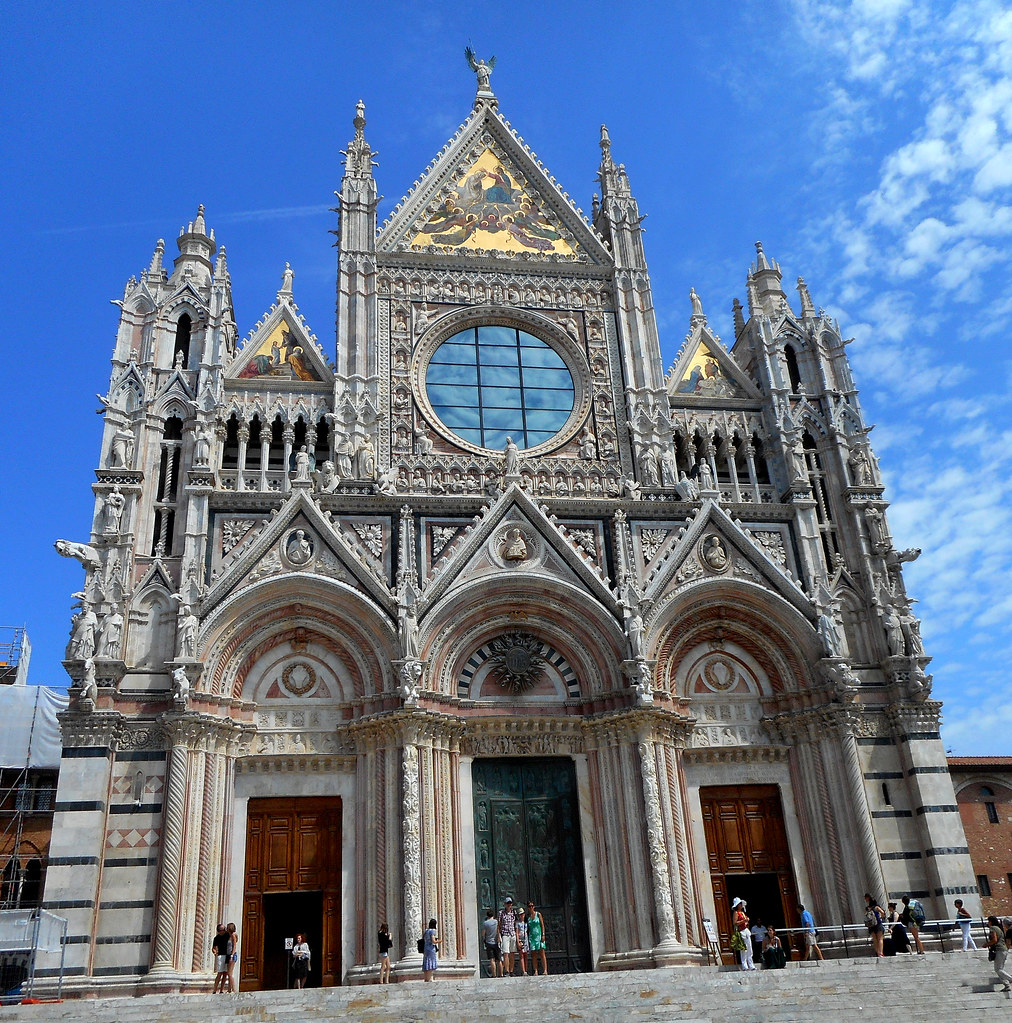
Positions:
(793, 372)
(823, 507)
(181, 349)
(166, 494)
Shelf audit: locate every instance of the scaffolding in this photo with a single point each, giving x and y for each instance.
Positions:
(15, 652)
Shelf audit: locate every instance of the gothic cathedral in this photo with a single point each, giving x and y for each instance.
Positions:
(490, 605)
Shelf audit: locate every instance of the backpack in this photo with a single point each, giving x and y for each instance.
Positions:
(421, 945)
(916, 912)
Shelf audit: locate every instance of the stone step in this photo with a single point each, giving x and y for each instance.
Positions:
(956, 986)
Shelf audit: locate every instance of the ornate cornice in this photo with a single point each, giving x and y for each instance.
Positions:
(99, 728)
(736, 755)
(517, 737)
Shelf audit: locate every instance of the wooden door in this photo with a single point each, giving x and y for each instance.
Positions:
(292, 846)
(748, 855)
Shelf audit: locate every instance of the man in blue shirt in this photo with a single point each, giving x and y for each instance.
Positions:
(811, 945)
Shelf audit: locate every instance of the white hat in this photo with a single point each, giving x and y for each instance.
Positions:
(737, 903)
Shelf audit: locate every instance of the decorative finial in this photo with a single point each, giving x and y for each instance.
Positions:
(221, 266)
(156, 258)
(739, 318)
(483, 69)
(359, 120)
(807, 307)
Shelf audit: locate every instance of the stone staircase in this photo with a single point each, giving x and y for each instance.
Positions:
(914, 989)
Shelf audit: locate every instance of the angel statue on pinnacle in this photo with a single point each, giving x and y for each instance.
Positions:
(481, 68)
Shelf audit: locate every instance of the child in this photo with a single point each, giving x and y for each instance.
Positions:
(521, 926)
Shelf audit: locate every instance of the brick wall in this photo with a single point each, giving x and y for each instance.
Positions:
(983, 795)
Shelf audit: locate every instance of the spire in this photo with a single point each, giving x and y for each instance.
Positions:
(359, 156)
(752, 295)
(765, 276)
(807, 308)
(221, 266)
(286, 283)
(609, 175)
(483, 72)
(196, 245)
(739, 318)
(155, 269)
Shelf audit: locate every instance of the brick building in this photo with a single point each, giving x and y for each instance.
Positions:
(984, 796)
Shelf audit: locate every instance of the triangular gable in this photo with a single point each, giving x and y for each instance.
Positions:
(176, 386)
(487, 191)
(328, 554)
(737, 556)
(705, 369)
(281, 348)
(484, 549)
(155, 576)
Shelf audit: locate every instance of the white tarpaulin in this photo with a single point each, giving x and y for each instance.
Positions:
(28, 713)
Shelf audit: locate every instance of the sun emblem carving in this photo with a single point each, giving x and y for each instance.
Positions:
(516, 662)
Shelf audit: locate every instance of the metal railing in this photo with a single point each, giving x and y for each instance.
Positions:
(23, 934)
(852, 941)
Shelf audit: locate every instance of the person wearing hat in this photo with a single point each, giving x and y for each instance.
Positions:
(741, 926)
(507, 936)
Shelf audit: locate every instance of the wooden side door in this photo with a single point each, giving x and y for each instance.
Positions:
(292, 846)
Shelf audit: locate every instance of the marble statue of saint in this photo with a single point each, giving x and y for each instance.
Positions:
(830, 636)
(860, 468)
(894, 633)
(366, 457)
(387, 482)
(511, 458)
(705, 475)
(202, 444)
(648, 468)
(588, 445)
(113, 510)
(112, 632)
(912, 634)
(408, 630)
(423, 442)
(697, 305)
(186, 644)
(516, 548)
(344, 452)
(121, 453)
(669, 467)
(82, 639)
(634, 631)
(302, 465)
(876, 528)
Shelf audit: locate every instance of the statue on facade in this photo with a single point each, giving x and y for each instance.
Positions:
(302, 465)
(687, 490)
(410, 676)
(180, 688)
(912, 634)
(516, 546)
(705, 474)
(113, 510)
(634, 632)
(300, 548)
(860, 469)
(188, 623)
(829, 633)
(366, 458)
(588, 444)
(511, 458)
(121, 452)
(669, 467)
(344, 452)
(648, 468)
(630, 489)
(894, 632)
(89, 685)
(327, 479)
(876, 529)
(387, 482)
(82, 637)
(407, 621)
(203, 438)
(423, 442)
(697, 304)
(714, 553)
(111, 634)
(483, 69)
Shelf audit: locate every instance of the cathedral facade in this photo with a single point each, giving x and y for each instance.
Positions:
(483, 603)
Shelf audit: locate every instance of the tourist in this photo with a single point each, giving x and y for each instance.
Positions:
(300, 960)
(873, 919)
(430, 956)
(521, 924)
(507, 936)
(385, 943)
(811, 935)
(744, 940)
(536, 938)
(233, 954)
(997, 947)
(758, 932)
(490, 935)
(219, 950)
(964, 919)
(774, 957)
(913, 918)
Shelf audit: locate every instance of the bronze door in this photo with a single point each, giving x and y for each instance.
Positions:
(292, 883)
(746, 845)
(527, 845)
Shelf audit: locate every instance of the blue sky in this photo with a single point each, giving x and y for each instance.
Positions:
(867, 144)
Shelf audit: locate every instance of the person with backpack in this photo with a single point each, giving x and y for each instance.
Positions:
(913, 919)
(873, 917)
(997, 951)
